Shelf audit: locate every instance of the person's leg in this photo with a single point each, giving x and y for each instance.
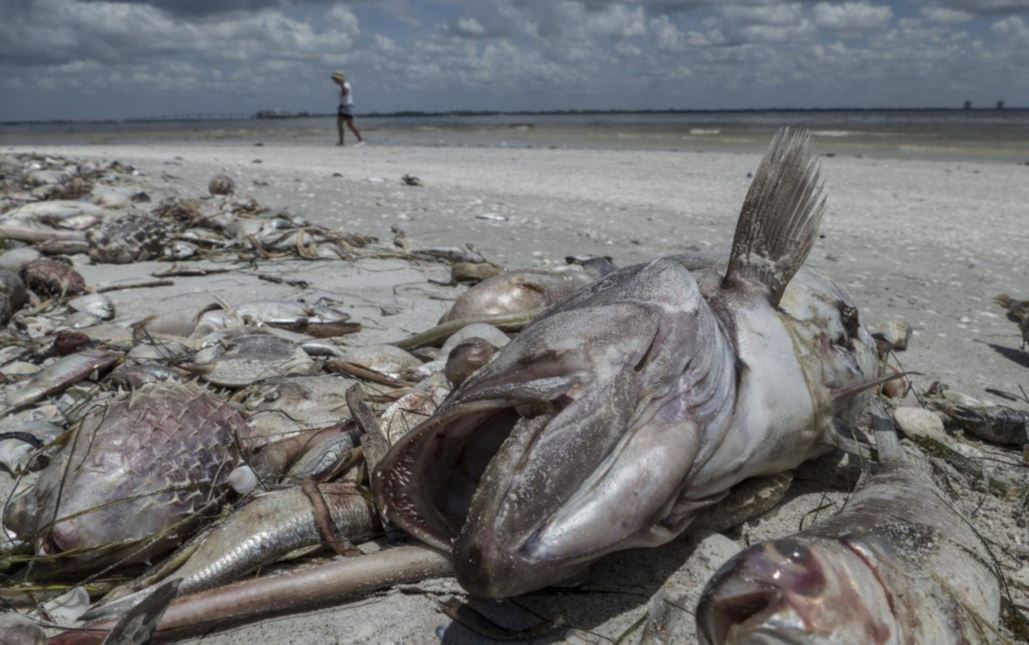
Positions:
(353, 128)
(339, 128)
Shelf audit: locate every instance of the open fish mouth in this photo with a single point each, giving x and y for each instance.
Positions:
(517, 474)
(550, 456)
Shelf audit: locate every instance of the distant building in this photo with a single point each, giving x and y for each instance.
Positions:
(1000, 105)
(968, 105)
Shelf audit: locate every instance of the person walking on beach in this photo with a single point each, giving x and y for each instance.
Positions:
(345, 113)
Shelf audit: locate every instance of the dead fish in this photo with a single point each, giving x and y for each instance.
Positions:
(94, 304)
(320, 319)
(597, 266)
(67, 214)
(454, 254)
(321, 456)
(137, 476)
(411, 410)
(133, 377)
(52, 278)
(626, 408)
(22, 445)
(987, 421)
(282, 407)
(59, 376)
(131, 238)
(466, 358)
(13, 295)
(897, 565)
(528, 291)
(245, 358)
(269, 527)
(384, 359)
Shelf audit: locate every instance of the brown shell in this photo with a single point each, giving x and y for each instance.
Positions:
(131, 238)
(153, 464)
(51, 277)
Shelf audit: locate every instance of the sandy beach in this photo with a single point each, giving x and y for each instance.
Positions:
(930, 242)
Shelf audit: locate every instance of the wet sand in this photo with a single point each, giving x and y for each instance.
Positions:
(928, 241)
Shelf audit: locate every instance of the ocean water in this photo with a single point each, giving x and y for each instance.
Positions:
(1001, 135)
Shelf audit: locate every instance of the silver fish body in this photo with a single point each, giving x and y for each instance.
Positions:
(627, 407)
(268, 528)
(897, 565)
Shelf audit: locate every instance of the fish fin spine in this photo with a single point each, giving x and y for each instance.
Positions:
(780, 216)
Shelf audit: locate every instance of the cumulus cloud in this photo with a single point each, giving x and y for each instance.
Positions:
(851, 16)
(946, 16)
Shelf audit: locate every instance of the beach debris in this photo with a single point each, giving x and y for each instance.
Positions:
(283, 407)
(473, 272)
(48, 277)
(1018, 313)
(526, 292)
(131, 238)
(629, 390)
(14, 259)
(13, 295)
(94, 304)
(147, 469)
(897, 537)
(919, 422)
(19, 630)
(597, 266)
(221, 184)
(320, 319)
(410, 180)
(389, 360)
(59, 376)
(453, 254)
(895, 334)
(237, 358)
(998, 424)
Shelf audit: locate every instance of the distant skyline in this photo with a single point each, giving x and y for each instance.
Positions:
(89, 59)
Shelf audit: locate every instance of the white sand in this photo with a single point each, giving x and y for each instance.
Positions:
(928, 241)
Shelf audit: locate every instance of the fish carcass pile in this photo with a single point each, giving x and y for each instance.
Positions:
(176, 469)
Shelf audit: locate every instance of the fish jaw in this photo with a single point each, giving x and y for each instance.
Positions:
(576, 441)
(796, 590)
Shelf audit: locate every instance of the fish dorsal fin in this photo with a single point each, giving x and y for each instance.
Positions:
(780, 215)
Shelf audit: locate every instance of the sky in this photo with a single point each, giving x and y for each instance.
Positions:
(90, 59)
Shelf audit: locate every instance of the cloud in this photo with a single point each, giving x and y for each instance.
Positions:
(946, 16)
(988, 7)
(851, 16)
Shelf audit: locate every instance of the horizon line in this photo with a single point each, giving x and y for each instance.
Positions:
(282, 114)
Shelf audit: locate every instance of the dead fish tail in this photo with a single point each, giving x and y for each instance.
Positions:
(780, 216)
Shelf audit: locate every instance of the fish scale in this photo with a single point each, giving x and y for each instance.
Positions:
(164, 450)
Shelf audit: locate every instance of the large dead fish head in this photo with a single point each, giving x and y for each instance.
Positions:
(574, 442)
(799, 591)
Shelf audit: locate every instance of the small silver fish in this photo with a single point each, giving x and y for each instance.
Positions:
(94, 304)
(59, 376)
(266, 529)
(897, 565)
(639, 400)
